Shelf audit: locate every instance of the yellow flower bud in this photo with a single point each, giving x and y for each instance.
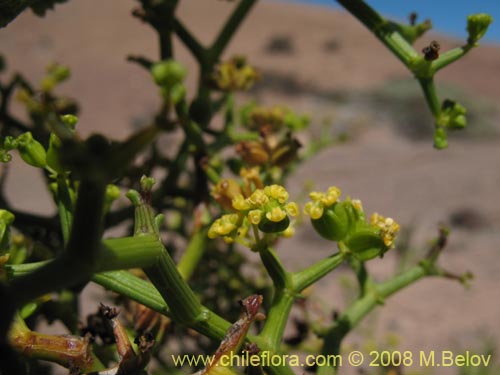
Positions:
(292, 209)
(240, 203)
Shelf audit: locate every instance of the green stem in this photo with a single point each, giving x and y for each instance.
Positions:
(133, 287)
(65, 207)
(382, 29)
(193, 254)
(351, 317)
(276, 320)
(124, 153)
(450, 56)
(75, 265)
(229, 29)
(311, 274)
(281, 278)
(430, 94)
(115, 254)
(185, 306)
(189, 41)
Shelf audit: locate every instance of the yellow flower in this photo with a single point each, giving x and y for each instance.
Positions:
(223, 226)
(240, 203)
(292, 209)
(276, 214)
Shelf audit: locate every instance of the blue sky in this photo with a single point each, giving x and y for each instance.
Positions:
(448, 16)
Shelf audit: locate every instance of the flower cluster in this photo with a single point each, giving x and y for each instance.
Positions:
(345, 221)
(388, 228)
(266, 209)
(235, 74)
(320, 201)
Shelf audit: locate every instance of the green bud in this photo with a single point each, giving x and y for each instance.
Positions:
(440, 139)
(177, 93)
(6, 219)
(53, 157)
(60, 73)
(31, 151)
(5, 157)
(335, 221)
(268, 226)
(296, 122)
(477, 25)
(10, 143)
(134, 197)
(458, 122)
(147, 183)
(112, 193)
(365, 243)
(70, 121)
(168, 73)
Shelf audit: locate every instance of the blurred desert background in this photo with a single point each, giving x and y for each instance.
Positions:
(321, 62)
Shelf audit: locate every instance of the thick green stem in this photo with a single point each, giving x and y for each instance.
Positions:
(190, 41)
(450, 56)
(351, 317)
(230, 28)
(430, 94)
(311, 274)
(281, 278)
(115, 254)
(75, 265)
(276, 320)
(183, 303)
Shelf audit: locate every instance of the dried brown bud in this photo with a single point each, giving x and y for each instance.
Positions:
(252, 152)
(431, 52)
(225, 191)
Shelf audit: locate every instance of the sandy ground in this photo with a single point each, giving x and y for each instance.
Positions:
(327, 52)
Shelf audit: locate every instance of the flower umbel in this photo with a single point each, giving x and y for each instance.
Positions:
(388, 228)
(266, 210)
